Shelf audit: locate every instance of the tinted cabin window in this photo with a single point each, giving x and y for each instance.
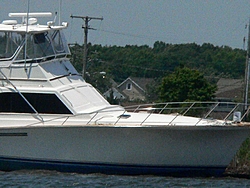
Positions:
(9, 42)
(39, 38)
(43, 103)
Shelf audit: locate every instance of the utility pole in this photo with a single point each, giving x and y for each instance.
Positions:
(86, 27)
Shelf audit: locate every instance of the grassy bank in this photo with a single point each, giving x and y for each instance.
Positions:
(240, 165)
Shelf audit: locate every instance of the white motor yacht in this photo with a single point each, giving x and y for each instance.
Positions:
(51, 119)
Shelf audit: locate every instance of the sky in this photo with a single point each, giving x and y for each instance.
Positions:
(143, 22)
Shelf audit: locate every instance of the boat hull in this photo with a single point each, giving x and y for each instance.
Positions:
(178, 151)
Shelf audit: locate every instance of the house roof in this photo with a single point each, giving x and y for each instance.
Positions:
(142, 82)
(139, 82)
(230, 88)
(117, 92)
(113, 83)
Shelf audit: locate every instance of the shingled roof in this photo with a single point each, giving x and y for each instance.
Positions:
(230, 88)
(140, 82)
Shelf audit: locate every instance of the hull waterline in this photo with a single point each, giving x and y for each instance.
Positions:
(13, 164)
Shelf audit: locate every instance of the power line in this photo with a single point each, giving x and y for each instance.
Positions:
(130, 35)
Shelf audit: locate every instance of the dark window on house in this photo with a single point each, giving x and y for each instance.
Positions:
(43, 103)
(129, 86)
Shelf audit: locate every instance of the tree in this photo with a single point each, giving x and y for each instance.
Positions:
(185, 84)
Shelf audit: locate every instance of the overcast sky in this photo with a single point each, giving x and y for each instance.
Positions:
(142, 22)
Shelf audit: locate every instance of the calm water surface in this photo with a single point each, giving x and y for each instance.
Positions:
(19, 179)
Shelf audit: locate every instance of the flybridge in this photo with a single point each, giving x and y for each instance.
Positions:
(41, 41)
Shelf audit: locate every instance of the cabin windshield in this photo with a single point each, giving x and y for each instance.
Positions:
(50, 43)
(9, 43)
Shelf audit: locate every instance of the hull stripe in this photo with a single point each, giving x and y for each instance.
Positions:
(13, 134)
(10, 164)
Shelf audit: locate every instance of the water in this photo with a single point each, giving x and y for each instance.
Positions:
(41, 179)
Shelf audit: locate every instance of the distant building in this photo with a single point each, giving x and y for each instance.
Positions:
(130, 89)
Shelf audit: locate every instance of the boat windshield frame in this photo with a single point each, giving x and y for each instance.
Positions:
(47, 44)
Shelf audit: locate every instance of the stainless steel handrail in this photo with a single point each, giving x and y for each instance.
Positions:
(212, 107)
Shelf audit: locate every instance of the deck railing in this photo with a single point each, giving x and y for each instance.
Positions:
(211, 110)
(227, 111)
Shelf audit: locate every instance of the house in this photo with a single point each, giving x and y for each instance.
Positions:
(130, 89)
(134, 88)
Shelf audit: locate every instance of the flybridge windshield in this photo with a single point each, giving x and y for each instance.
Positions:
(9, 42)
(39, 45)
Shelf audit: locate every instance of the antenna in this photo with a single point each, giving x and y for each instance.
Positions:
(35, 14)
(28, 14)
(27, 25)
(59, 14)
